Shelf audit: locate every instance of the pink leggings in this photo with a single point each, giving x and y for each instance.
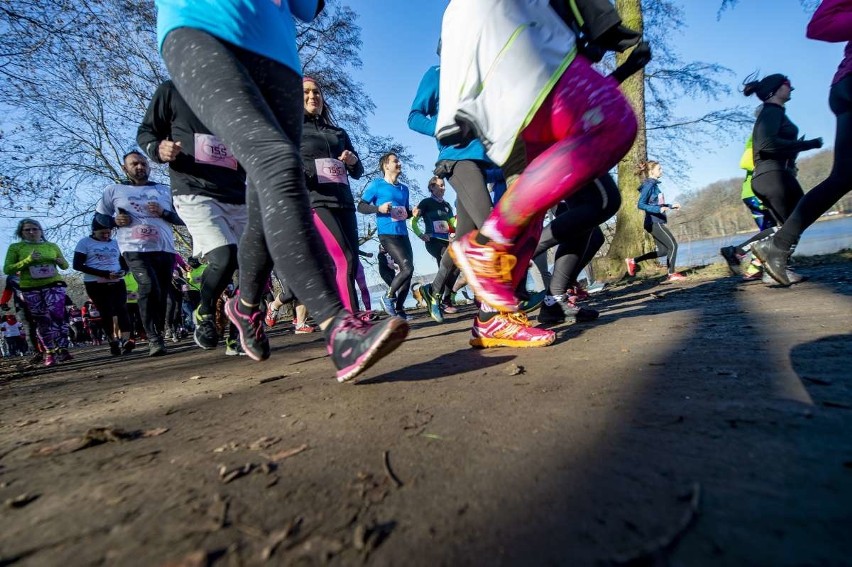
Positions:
(582, 129)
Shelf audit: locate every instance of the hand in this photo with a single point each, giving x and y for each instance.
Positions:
(415, 212)
(385, 207)
(663, 209)
(35, 256)
(425, 237)
(155, 209)
(816, 143)
(676, 206)
(122, 219)
(116, 275)
(168, 150)
(349, 158)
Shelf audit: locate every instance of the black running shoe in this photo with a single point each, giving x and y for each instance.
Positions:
(252, 336)
(729, 253)
(128, 347)
(774, 260)
(551, 314)
(114, 348)
(205, 334)
(157, 347)
(355, 345)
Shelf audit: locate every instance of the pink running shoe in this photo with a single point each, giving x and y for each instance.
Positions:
(676, 277)
(271, 317)
(631, 266)
(304, 329)
(509, 330)
(49, 359)
(488, 270)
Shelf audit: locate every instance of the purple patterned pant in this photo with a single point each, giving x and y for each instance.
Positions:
(47, 307)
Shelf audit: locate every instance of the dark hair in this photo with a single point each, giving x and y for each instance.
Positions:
(19, 232)
(383, 161)
(98, 226)
(433, 182)
(765, 87)
(326, 114)
(130, 153)
(643, 168)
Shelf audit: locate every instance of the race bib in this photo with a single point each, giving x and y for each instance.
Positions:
(330, 170)
(42, 271)
(211, 151)
(440, 227)
(398, 213)
(145, 232)
(661, 199)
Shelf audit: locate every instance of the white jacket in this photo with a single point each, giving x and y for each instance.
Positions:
(499, 61)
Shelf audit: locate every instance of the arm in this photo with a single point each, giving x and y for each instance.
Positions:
(747, 159)
(645, 203)
(80, 266)
(767, 141)
(832, 21)
(366, 208)
(172, 217)
(60, 259)
(423, 117)
(415, 225)
(156, 125)
(14, 263)
(357, 170)
(367, 204)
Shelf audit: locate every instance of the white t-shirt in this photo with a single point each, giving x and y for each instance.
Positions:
(100, 256)
(11, 330)
(146, 232)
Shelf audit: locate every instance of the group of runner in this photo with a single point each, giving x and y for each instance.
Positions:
(260, 177)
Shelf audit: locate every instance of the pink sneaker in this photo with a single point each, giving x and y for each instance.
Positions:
(49, 359)
(304, 329)
(676, 277)
(271, 317)
(631, 266)
(488, 270)
(509, 330)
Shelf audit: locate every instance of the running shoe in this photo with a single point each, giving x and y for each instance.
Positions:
(233, 348)
(403, 315)
(114, 348)
(157, 347)
(488, 271)
(354, 345)
(168, 334)
(675, 277)
(252, 336)
(271, 317)
(304, 329)
(533, 302)
(509, 330)
(128, 347)
(792, 277)
(62, 355)
(774, 260)
(206, 336)
(449, 308)
(631, 266)
(560, 311)
(49, 359)
(367, 316)
(729, 253)
(432, 305)
(577, 293)
(389, 304)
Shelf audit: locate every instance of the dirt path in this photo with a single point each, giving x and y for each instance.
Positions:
(708, 423)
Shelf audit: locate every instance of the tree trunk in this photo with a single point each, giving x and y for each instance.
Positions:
(630, 239)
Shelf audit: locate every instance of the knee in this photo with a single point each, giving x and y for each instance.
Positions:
(406, 269)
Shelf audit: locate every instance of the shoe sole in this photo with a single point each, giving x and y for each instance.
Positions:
(461, 262)
(482, 342)
(235, 319)
(394, 334)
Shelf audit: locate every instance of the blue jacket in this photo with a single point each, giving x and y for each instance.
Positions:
(651, 200)
(423, 118)
(261, 27)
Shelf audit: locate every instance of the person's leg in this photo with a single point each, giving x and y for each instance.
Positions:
(361, 280)
(163, 265)
(144, 275)
(100, 296)
(399, 248)
(334, 227)
(779, 191)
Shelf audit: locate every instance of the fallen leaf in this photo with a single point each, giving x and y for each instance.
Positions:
(21, 500)
(154, 432)
(227, 475)
(263, 443)
(287, 454)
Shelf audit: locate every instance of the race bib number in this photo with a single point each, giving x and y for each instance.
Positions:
(440, 227)
(398, 213)
(211, 151)
(145, 232)
(330, 170)
(42, 271)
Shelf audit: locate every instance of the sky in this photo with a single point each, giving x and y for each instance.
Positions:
(400, 39)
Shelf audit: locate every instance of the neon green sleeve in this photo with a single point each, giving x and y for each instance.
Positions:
(415, 226)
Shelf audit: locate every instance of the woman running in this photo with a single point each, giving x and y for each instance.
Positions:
(652, 201)
(103, 267)
(387, 198)
(37, 260)
(545, 115)
(832, 22)
(330, 160)
(247, 88)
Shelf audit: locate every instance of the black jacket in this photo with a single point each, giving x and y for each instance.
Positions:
(775, 141)
(169, 118)
(323, 140)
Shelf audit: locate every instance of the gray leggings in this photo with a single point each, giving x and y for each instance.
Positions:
(255, 106)
(666, 246)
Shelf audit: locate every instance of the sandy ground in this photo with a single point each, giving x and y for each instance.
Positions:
(703, 423)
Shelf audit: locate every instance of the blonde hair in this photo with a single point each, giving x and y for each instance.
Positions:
(643, 168)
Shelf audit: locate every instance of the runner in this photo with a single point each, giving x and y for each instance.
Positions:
(142, 211)
(246, 87)
(209, 189)
(831, 22)
(99, 259)
(387, 198)
(545, 115)
(652, 201)
(440, 223)
(35, 261)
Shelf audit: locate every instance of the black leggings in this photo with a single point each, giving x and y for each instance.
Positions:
(666, 245)
(255, 106)
(399, 247)
(221, 265)
(779, 191)
(473, 207)
(174, 307)
(153, 272)
(839, 181)
(111, 301)
(576, 230)
(338, 229)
